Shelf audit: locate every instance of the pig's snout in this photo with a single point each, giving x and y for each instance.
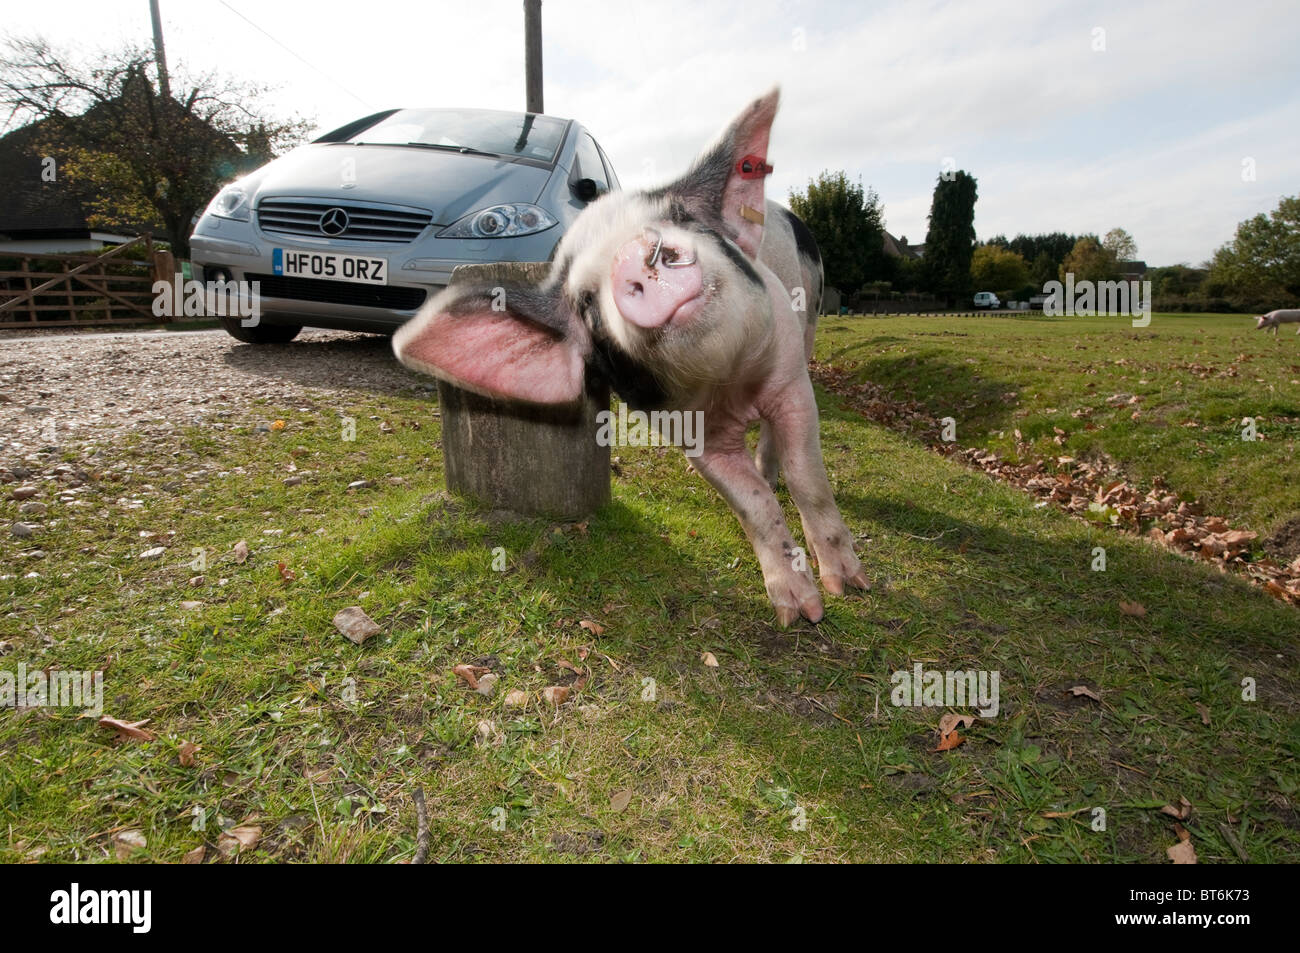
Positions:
(652, 286)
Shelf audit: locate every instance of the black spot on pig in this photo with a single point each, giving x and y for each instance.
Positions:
(633, 381)
(803, 238)
(740, 260)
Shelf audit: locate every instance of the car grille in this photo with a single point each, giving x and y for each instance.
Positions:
(391, 297)
(365, 224)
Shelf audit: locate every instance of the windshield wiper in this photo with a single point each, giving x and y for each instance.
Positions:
(463, 150)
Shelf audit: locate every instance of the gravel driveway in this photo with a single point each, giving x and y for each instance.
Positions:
(69, 390)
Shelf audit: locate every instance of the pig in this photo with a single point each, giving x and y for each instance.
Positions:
(1278, 317)
(700, 295)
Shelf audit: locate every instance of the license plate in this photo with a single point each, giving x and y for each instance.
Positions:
(361, 269)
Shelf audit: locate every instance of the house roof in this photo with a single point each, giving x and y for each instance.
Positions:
(899, 248)
(29, 205)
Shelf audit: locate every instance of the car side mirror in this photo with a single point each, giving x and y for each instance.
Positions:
(586, 190)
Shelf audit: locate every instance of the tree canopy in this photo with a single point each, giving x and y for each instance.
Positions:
(133, 157)
(998, 269)
(1264, 256)
(846, 220)
(950, 241)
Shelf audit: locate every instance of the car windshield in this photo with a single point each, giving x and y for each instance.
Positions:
(470, 130)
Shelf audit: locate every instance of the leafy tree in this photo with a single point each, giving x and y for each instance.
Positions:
(1176, 280)
(950, 241)
(846, 221)
(1089, 260)
(994, 268)
(1044, 269)
(1263, 259)
(133, 157)
(1120, 244)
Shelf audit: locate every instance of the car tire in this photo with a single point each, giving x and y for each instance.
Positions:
(260, 333)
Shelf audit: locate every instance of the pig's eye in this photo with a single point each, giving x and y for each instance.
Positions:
(584, 301)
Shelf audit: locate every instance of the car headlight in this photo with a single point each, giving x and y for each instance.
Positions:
(500, 221)
(231, 202)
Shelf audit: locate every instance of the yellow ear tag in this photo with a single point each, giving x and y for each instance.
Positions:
(751, 215)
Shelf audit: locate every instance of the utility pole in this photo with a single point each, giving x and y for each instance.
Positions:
(159, 54)
(532, 53)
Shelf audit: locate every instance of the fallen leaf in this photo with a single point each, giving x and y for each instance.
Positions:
(555, 694)
(950, 741)
(950, 722)
(1182, 853)
(708, 659)
(195, 856)
(595, 628)
(621, 800)
(126, 843)
(241, 552)
(188, 750)
(1135, 609)
(277, 425)
(1084, 690)
(487, 684)
(1182, 812)
(516, 698)
(237, 839)
(355, 625)
(286, 574)
(128, 729)
(1205, 713)
(470, 673)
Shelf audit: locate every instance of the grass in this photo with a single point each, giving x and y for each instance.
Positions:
(788, 750)
(1196, 378)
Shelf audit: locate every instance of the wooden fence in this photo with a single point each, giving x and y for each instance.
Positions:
(65, 290)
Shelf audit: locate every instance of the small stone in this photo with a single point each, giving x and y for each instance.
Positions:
(516, 698)
(33, 508)
(35, 554)
(189, 605)
(355, 625)
(293, 481)
(126, 843)
(359, 485)
(196, 581)
(487, 684)
(23, 530)
(25, 492)
(153, 553)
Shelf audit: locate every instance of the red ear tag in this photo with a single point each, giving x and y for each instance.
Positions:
(753, 167)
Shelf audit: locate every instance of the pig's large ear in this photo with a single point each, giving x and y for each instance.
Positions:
(514, 341)
(725, 186)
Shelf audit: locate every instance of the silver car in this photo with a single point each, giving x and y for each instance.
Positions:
(358, 228)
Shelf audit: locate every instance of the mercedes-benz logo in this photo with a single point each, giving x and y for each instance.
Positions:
(334, 222)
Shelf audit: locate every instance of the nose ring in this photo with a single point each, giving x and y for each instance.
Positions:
(654, 257)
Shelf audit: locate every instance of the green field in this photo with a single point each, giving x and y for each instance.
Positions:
(789, 749)
(1195, 377)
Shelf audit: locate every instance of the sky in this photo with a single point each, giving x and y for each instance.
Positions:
(1172, 120)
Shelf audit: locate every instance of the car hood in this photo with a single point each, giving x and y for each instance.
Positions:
(447, 184)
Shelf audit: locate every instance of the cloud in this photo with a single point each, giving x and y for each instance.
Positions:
(1148, 134)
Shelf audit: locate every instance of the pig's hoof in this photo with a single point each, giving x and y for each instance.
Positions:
(844, 571)
(794, 598)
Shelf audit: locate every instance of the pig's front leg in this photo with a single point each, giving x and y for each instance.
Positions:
(732, 473)
(795, 428)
